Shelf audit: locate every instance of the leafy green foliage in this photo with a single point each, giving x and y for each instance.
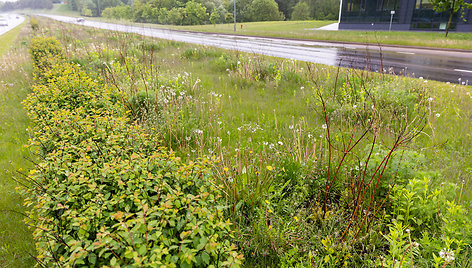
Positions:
(301, 11)
(107, 193)
(264, 10)
(44, 51)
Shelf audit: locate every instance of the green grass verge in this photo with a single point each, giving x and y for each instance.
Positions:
(262, 119)
(7, 39)
(15, 238)
(304, 30)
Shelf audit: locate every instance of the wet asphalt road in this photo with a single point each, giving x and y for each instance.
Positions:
(434, 64)
(12, 20)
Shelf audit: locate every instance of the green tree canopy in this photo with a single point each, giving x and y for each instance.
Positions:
(265, 10)
(301, 11)
(194, 13)
(451, 6)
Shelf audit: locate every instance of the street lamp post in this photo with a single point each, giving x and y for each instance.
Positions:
(391, 20)
(234, 14)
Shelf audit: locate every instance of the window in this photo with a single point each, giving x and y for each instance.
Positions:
(388, 5)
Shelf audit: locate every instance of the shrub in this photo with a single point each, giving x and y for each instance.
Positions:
(106, 193)
(44, 51)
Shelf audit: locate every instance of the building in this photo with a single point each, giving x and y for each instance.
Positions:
(404, 15)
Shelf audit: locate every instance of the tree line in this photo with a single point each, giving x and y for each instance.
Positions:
(24, 4)
(192, 12)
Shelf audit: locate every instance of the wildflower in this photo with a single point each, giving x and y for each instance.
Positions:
(290, 126)
(324, 126)
(267, 201)
(302, 88)
(187, 138)
(270, 168)
(407, 230)
(310, 136)
(420, 77)
(430, 99)
(270, 227)
(355, 106)
(447, 255)
(280, 143)
(226, 169)
(265, 143)
(270, 210)
(438, 115)
(296, 219)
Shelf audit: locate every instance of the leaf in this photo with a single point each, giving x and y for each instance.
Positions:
(205, 258)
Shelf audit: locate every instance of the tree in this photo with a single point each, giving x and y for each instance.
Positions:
(194, 13)
(451, 6)
(324, 9)
(215, 18)
(265, 10)
(175, 16)
(301, 11)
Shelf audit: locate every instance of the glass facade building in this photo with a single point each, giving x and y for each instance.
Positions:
(399, 15)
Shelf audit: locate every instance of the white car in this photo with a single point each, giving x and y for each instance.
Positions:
(3, 22)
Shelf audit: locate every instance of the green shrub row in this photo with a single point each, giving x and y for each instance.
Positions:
(105, 193)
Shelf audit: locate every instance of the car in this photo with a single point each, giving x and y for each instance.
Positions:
(3, 22)
(80, 20)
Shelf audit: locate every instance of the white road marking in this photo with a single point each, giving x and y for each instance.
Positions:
(460, 70)
(408, 53)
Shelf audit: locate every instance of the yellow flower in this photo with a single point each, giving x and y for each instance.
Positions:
(283, 168)
(267, 201)
(296, 219)
(270, 168)
(226, 169)
(270, 227)
(270, 210)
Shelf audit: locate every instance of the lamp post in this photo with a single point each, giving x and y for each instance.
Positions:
(234, 14)
(391, 20)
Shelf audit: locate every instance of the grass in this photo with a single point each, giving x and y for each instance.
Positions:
(15, 239)
(303, 30)
(263, 124)
(7, 39)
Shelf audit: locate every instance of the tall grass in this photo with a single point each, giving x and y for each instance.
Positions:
(16, 243)
(281, 136)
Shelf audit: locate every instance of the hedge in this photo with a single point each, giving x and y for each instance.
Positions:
(104, 192)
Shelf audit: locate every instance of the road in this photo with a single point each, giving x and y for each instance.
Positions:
(13, 21)
(434, 64)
